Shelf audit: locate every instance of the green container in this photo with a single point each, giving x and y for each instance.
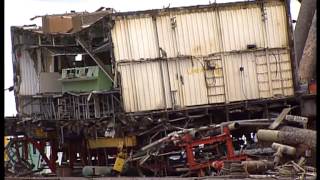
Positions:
(85, 79)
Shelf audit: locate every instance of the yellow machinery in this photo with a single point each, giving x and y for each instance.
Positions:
(6, 141)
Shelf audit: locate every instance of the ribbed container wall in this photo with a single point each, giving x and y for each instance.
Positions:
(241, 77)
(135, 38)
(276, 26)
(28, 76)
(192, 82)
(241, 27)
(281, 73)
(192, 34)
(144, 87)
(196, 56)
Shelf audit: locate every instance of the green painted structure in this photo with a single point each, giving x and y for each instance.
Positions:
(85, 79)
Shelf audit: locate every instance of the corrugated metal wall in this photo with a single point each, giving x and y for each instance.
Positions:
(181, 82)
(143, 86)
(135, 38)
(204, 56)
(202, 33)
(29, 78)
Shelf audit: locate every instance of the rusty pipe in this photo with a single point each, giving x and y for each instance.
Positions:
(96, 171)
(233, 126)
(282, 149)
(293, 137)
(260, 166)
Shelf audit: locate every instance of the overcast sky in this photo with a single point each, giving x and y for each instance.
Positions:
(18, 12)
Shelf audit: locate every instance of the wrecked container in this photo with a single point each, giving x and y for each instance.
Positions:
(190, 56)
(85, 79)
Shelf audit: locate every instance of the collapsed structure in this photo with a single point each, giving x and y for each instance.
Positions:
(154, 90)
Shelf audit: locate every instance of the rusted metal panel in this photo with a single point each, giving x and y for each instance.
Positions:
(54, 24)
(28, 84)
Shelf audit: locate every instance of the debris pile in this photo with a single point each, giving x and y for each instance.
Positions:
(279, 150)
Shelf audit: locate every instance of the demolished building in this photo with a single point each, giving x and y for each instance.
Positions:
(120, 84)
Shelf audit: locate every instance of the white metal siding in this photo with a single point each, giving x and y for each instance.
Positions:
(29, 79)
(176, 83)
(281, 76)
(135, 38)
(143, 86)
(192, 81)
(213, 30)
(241, 27)
(204, 53)
(195, 34)
(263, 75)
(242, 85)
(276, 25)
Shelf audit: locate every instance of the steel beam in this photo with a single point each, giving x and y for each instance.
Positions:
(129, 141)
(94, 57)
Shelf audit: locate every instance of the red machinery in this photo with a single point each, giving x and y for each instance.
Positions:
(16, 156)
(189, 144)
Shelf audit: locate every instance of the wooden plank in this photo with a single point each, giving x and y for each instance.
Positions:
(280, 118)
